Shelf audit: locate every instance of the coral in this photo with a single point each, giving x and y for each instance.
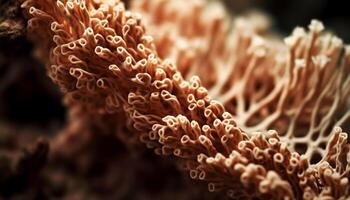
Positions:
(258, 78)
(103, 61)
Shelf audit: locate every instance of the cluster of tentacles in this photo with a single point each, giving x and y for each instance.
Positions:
(236, 107)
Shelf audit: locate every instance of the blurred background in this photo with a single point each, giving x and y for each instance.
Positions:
(31, 112)
(286, 15)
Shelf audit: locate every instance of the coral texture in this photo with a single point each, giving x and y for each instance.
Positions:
(102, 59)
(258, 79)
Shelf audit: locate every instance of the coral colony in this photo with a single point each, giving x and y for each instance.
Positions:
(237, 108)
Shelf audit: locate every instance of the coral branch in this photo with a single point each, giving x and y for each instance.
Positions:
(299, 88)
(101, 58)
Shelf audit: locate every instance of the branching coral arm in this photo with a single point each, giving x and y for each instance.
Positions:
(101, 58)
